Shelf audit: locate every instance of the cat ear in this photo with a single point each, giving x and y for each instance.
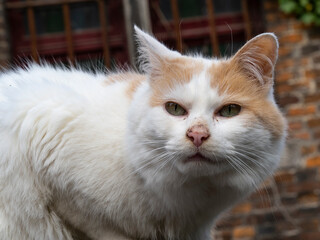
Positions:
(152, 53)
(257, 58)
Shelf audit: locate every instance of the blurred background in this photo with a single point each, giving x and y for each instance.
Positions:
(99, 33)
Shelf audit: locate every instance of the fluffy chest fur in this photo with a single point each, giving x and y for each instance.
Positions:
(157, 155)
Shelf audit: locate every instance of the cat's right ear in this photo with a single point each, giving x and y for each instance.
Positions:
(152, 53)
(257, 58)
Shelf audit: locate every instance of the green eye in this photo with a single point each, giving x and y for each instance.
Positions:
(230, 110)
(175, 109)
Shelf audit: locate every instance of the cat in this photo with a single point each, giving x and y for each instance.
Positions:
(125, 155)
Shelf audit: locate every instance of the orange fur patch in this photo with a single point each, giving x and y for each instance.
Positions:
(231, 82)
(170, 73)
(135, 82)
(132, 79)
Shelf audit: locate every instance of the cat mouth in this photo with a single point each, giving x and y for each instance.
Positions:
(198, 157)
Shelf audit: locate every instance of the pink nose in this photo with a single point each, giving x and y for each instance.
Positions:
(198, 134)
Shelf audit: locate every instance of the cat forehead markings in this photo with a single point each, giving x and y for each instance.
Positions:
(171, 74)
(230, 81)
(201, 95)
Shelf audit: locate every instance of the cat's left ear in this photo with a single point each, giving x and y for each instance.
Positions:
(257, 58)
(152, 53)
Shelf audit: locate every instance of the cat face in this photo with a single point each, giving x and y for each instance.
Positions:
(209, 117)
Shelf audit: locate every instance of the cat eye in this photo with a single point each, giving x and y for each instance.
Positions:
(230, 110)
(175, 109)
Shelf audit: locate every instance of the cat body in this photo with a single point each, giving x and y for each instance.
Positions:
(136, 156)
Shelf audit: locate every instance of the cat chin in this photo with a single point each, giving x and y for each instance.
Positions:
(199, 166)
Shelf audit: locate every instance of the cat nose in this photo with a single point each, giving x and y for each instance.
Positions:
(198, 134)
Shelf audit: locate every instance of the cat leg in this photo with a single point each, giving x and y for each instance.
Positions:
(25, 212)
(49, 227)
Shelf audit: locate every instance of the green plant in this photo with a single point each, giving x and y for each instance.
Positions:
(308, 11)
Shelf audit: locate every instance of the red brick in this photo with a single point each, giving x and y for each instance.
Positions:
(283, 177)
(291, 38)
(302, 111)
(310, 236)
(312, 73)
(295, 125)
(308, 198)
(301, 136)
(312, 98)
(286, 100)
(243, 231)
(316, 134)
(306, 150)
(286, 17)
(304, 61)
(271, 17)
(269, 5)
(313, 162)
(299, 26)
(284, 77)
(314, 123)
(278, 28)
(283, 88)
(284, 51)
(285, 64)
(307, 186)
(310, 225)
(242, 208)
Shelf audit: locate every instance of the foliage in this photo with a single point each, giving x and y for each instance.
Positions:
(308, 11)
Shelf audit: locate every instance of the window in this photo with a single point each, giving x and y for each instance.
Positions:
(194, 25)
(75, 28)
(50, 29)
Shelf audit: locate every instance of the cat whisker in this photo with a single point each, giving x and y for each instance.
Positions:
(247, 170)
(246, 148)
(256, 186)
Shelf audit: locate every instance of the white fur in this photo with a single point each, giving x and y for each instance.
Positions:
(77, 152)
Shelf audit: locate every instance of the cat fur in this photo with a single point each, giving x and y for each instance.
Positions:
(97, 155)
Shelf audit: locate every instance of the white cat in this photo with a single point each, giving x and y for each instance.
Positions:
(131, 156)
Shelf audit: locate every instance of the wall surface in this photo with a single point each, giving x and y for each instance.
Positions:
(298, 84)
(287, 206)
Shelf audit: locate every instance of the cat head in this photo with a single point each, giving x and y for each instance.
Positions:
(208, 117)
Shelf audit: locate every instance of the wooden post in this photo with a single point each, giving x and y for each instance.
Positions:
(127, 12)
(144, 15)
(33, 33)
(104, 33)
(246, 18)
(213, 32)
(68, 32)
(176, 23)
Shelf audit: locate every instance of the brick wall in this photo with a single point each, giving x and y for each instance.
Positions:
(298, 84)
(4, 40)
(287, 206)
